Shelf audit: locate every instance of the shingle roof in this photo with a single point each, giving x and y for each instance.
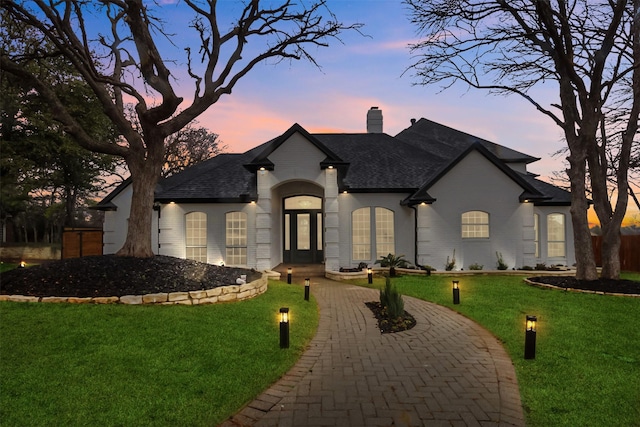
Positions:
(410, 162)
(449, 143)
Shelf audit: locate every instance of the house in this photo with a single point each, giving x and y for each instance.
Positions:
(342, 199)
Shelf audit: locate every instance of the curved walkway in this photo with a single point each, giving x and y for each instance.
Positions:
(446, 371)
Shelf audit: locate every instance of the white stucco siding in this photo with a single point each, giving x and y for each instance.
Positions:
(297, 159)
(172, 229)
(404, 237)
(474, 184)
(115, 222)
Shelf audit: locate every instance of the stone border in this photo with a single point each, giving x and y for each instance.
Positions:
(583, 291)
(340, 276)
(208, 296)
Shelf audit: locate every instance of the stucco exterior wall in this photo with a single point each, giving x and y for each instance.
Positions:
(115, 222)
(172, 230)
(403, 225)
(474, 184)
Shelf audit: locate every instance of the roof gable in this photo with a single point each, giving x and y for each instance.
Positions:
(262, 159)
(530, 192)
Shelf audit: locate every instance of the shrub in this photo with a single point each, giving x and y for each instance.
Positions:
(450, 265)
(501, 264)
(391, 299)
(541, 266)
(476, 266)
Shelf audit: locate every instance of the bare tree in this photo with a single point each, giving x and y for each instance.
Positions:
(190, 145)
(588, 48)
(125, 64)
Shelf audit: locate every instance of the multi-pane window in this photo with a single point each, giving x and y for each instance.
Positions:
(536, 232)
(196, 236)
(385, 239)
(555, 235)
(236, 240)
(475, 225)
(361, 234)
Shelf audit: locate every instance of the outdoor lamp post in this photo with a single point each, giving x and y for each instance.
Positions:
(284, 327)
(306, 289)
(289, 271)
(456, 292)
(370, 275)
(530, 338)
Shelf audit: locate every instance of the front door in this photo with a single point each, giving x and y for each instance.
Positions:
(303, 239)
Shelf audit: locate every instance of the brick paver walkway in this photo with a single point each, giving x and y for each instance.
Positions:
(446, 371)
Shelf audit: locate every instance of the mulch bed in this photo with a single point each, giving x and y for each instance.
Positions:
(110, 275)
(388, 325)
(601, 285)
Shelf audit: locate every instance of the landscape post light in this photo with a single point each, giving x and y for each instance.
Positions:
(530, 338)
(23, 264)
(289, 271)
(456, 292)
(284, 327)
(306, 289)
(370, 275)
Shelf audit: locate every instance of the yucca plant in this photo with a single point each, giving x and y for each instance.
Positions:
(392, 262)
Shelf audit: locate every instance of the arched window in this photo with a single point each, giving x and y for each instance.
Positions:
(196, 236)
(236, 238)
(475, 225)
(363, 233)
(556, 235)
(385, 238)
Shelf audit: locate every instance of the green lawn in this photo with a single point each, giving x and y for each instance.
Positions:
(587, 366)
(119, 365)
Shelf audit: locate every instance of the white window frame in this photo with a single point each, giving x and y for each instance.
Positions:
(385, 232)
(475, 225)
(196, 236)
(236, 238)
(368, 225)
(536, 232)
(556, 235)
(361, 234)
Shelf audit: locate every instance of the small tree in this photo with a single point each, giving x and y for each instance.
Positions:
(391, 299)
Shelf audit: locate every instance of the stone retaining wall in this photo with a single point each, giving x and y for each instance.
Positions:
(209, 296)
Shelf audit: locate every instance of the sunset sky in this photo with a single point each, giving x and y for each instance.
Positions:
(368, 69)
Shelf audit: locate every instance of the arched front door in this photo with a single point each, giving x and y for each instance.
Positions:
(303, 240)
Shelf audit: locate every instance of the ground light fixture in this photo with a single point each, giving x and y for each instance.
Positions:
(307, 282)
(530, 337)
(456, 292)
(370, 275)
(289, 271)
(284, 327)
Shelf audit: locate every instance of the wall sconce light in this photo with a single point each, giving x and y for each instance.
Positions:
(456, 292)
(307, 282)
(289, 271)
(530, 337)
(284, 327)
(370, 275)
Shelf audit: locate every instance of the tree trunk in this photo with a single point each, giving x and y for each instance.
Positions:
(610, 251)
(138, 240)
(585, 259)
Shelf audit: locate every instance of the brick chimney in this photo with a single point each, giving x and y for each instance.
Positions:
(374, 120)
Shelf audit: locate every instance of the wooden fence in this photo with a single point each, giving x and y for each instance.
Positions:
(629, 252)
(79, 242)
